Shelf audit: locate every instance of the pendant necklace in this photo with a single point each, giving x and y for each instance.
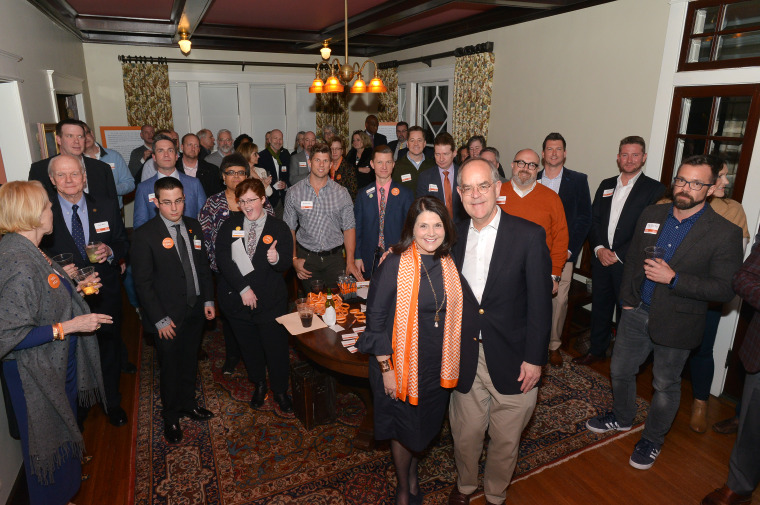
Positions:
(435, 296)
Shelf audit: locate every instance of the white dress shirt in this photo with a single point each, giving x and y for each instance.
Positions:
(477, 255)
(616, 206)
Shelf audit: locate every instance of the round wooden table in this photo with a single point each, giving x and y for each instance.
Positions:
(324, 347)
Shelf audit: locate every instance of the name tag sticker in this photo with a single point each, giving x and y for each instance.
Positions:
(370, 190)
(608, 192)
(238, 233)
(307, 204)
(433, 187)
(113, 166)
(406, 177)
(652, 228)
(283, 169)
(197, 244)
(501, 200)
(102, 227)
(151, 197)
(302, 164)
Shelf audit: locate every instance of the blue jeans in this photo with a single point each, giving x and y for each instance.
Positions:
(632, 346)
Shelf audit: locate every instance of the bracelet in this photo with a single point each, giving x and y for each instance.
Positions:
(385, 366)
(295, 258)
(58, 331)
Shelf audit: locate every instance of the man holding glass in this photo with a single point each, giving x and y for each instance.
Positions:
(82, 224)
(682, 256)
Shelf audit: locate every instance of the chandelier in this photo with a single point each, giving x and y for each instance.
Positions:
(341, 75)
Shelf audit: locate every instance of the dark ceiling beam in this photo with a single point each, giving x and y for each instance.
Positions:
(177, 8)
(125, 25)
(120, 38)
(272, 34)
(60, 12)
(381, 17)
(192, 15)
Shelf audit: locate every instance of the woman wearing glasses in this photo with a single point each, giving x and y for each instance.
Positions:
(252, 293)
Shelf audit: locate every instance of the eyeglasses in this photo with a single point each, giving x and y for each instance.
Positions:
(233, 173)
(523, 164)
(169, 203)
(694, 185)
(248, 202)
(481, 188)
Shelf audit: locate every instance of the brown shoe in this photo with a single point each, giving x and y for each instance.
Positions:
(698, 420)
(587, 359)
(555, 358)
(457, 498)
(727, 426)
(724, 496)
(492, 503)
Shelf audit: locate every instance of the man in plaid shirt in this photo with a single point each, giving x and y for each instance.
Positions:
(320, 215)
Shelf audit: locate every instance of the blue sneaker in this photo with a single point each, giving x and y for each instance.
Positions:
(644, 454)
(605, 423)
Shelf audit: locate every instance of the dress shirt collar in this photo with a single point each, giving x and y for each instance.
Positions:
(631, 182)
(522, 193)
(493, 224)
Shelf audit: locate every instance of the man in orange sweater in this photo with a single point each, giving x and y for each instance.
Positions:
(524, 197)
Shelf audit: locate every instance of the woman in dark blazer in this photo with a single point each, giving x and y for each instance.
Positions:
(340, 172)
(253, 300)
(359, 156)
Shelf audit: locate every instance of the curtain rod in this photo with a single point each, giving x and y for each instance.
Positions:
(485, 47)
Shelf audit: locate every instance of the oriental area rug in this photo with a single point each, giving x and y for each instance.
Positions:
(247, 457)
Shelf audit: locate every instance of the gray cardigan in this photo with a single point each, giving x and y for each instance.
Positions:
(28, 300)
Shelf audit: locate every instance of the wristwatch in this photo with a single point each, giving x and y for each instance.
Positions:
(556, 278)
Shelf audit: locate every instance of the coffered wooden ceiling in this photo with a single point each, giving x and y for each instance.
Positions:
(294, 26)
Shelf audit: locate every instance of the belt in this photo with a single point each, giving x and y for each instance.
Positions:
(334, 250)
(644, 306)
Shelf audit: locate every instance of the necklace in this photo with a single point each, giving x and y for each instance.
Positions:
(435, 296)
(45, 256)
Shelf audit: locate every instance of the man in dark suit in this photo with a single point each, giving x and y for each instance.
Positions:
(173, 282)
(195, 166)
(165, 158)
(744, 466)
(78, 219)
(506, 287)
(664, 294)
(276, 159)
(207, 143)
(142, 153)
(70, 137)
(370, 127)
(617, 206)
(299, 162)
(440, 181)
(572, 188)
(402, 128)
(383, 202)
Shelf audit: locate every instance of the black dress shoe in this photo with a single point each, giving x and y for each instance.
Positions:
(117, 416)
(172, 432)
(587, 359)
(284, 402)
(259, 395)
(198, 414)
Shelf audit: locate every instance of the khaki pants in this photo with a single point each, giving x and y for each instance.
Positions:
(504, 416)
(559, 307)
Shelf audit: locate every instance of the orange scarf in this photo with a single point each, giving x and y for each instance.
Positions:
(405, 325)
(334, 166)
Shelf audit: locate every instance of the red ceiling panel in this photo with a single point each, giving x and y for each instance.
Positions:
(145, 9)
(443, 15)
(286, 15)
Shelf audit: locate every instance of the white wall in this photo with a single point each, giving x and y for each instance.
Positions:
(591, 74)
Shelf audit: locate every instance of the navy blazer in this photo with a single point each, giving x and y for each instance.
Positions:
(266, 161)
(705, 262)
(645, 192)
(158, 273)
(378, 140)
(266, 280)
(576, 199)
(433, 176)
(108, 300)
(367, 216)
(515, 312)
(145, 209)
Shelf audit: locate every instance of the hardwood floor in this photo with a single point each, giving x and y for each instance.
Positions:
(690, 465)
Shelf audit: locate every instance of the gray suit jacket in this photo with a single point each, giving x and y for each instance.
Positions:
(299, 168)
(705, 262)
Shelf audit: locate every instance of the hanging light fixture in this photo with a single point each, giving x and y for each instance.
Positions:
(341, 75)
(184, 42)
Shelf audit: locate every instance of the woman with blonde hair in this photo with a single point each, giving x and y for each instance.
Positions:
(359, 156)
(250, 152)
(47, 344)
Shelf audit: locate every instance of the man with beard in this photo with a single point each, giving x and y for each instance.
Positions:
(299, 162)
(224, 148)
(664, 294)
(524, 197)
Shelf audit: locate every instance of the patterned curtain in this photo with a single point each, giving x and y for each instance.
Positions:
(388, 108)
(146, 90)
(332, 109)
(473, 83)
